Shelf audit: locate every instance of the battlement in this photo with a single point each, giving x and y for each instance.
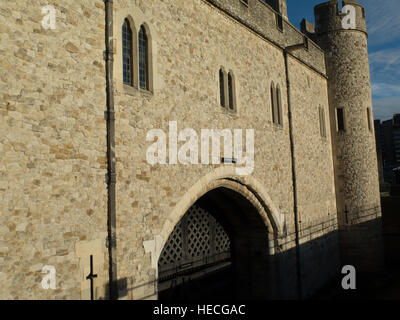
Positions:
(329, 16)
(279, 6)
(307, 28)
(268, 18)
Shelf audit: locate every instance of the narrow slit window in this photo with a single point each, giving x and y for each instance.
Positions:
(273, 103)
(222, 87)
(278, 106)
(340, 119)
(230, 91)
(322, 122)
(306, 44)
(127, 53)
(143, 59)
(369, 119)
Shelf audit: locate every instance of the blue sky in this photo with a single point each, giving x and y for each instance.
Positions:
(383, 22)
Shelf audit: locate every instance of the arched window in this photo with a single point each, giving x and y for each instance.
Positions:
(278, 105)
(127, 61)
(143, 59)
(273, 103)
(227, 90)
(231, 93)
(222, 87)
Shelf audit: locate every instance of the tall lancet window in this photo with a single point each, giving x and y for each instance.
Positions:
(222, 87)
(143, 59)
(127, 53)
(230, 92)
(278, 105)
(273, 103)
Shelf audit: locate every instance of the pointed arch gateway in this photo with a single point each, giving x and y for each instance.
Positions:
(220, 249)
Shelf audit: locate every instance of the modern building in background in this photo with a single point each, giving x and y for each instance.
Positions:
(388, 144)
(379, 150)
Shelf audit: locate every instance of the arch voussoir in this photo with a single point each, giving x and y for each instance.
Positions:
(246, 186)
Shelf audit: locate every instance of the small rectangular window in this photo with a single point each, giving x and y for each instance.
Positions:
(340, 119)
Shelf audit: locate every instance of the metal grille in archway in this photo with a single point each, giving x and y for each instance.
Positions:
(197, 243)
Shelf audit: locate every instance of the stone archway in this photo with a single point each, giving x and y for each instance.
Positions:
(242, 270)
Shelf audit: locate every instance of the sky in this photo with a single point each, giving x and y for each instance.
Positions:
(383, 23)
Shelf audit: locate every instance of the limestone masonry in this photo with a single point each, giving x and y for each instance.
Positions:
(310, 206)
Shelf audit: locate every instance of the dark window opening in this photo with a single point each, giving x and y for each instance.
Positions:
(306, 42)
(222, 87)
(143, 59)
(340, 119)
(279, 22)
(230, 91)
(127, 53)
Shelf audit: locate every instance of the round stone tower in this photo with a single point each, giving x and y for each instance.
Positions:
(344, 40)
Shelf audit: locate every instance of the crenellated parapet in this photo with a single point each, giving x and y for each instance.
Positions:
(329, 16)
(268, 18)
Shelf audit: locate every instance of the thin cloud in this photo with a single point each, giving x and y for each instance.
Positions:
(385, 90)
(385, 73)
(386, 60)
(383, 25)
(383, 21)
(385, 108)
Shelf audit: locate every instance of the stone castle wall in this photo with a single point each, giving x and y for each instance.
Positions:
(53, 141)
(52, 148)
(193, 41)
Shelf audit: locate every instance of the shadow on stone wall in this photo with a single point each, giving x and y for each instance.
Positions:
(321, 275)
(319, 264)
(391, 229)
